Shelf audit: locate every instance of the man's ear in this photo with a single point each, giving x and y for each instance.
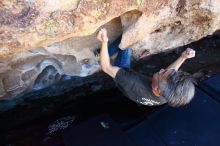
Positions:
(158, 89)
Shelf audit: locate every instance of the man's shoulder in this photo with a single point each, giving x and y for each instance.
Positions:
(138, 74)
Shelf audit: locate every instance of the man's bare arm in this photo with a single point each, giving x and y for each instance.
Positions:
(188, 53)
(104, 56)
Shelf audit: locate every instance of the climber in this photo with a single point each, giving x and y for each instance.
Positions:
(169, 85)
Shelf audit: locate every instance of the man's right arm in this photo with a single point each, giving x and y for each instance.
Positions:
(104, 56)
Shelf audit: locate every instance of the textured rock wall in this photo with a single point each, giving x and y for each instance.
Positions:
(42, 40)
(38, 68)
(176, 24)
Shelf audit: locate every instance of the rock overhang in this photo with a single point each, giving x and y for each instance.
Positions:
(41, 40)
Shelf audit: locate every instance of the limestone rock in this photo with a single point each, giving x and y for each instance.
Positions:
(42, 40)
(38, 69)
(178, 23)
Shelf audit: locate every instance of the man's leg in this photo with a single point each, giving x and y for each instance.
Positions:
(113, 47)
(123, 59)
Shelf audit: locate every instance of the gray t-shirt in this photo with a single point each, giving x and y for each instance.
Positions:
(137, 87)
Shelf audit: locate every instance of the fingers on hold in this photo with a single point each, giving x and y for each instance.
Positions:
(100, 31)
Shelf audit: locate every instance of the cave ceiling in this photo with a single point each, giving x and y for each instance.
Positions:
(42, 40)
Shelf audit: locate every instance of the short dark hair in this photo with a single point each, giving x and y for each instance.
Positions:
(178, 88)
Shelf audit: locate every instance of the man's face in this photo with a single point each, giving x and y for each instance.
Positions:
(159, 78)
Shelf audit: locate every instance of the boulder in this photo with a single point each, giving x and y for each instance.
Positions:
(41, 40)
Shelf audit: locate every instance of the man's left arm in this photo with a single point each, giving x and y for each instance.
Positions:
(188, 53)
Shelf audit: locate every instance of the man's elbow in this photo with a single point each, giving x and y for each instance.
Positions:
(109, 70)
(106, 68)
